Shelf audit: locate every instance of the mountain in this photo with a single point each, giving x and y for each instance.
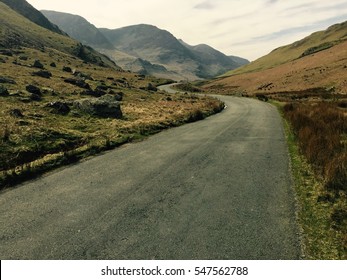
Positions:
(317, 63)
(25, 9)
(161, 47)
(212, 61)
(147, 49)
(79, 28)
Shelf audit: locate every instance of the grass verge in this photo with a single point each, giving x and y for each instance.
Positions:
(320, 213)
(68, 139)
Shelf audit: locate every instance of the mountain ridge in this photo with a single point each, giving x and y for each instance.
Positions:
(29, 12)
(156, 48)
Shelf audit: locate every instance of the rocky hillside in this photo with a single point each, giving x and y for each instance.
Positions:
(25, 9)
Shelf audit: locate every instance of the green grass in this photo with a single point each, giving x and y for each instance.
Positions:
(323, 238)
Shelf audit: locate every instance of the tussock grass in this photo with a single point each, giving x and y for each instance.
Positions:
(320, 130)
(316, 135)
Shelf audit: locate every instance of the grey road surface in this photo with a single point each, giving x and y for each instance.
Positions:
(216, 189)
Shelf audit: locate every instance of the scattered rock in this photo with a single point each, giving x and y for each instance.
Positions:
(43, 74)
(4, 80)
(67, 69)
(6, 52)
(77, 82)
(105, 106)
(102, 87)
(16, 113)
(53, 65)
(151, 87)
(58, 107)
(23, 57)
(3, 91)
(33, 89)
(82, 75)
(94, 93)
(118, 95)
(2, 60)
(38, 64)
(35, 97)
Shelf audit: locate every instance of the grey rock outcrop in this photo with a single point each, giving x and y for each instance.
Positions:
(105, 106)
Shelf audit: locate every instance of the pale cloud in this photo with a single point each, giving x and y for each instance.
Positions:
(206, 5)
(248, 28)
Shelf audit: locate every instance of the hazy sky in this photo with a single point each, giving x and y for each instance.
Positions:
(247, 28)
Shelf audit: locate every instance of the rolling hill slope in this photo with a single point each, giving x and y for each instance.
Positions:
(317, 41)
(315, 63)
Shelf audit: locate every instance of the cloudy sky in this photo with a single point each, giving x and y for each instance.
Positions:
(247, 28)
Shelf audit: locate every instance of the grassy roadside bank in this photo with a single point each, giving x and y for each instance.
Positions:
(320, 210)
(64, 140)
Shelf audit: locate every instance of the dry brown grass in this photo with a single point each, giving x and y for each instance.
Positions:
(323, 70)
(320, 130)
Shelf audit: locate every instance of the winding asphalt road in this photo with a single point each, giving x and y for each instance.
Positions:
(216, 189)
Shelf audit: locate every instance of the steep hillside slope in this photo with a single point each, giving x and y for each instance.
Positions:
(316, 42)
(317, 63)
(25, 9)
(18, 31)
(79, 28)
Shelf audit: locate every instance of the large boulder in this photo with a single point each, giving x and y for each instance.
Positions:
(106, 106)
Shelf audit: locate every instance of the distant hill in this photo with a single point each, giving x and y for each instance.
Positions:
(212, 61)
(25, 9)
(315, 63)
(147, 49)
